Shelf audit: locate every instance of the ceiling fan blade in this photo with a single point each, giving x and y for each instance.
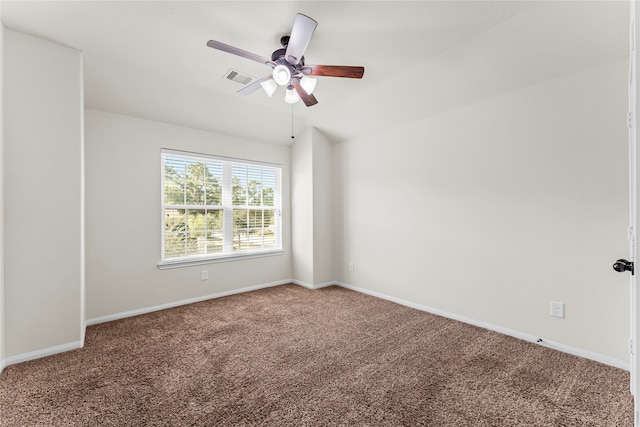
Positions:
(243, 53)
(333, 71)
(303, 28)
(252, 87)
(307, 98)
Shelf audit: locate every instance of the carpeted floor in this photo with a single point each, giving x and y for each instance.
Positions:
(288, 356)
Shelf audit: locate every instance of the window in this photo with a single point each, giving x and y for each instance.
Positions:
(216, 208)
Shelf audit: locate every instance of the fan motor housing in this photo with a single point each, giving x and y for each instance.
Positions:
(280, 53)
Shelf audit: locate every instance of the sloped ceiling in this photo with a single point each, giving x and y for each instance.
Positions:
(149, 59)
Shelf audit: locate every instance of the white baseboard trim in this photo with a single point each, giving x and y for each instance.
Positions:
(37, 354)
(131, 313)
(506, 331)
(310, 286)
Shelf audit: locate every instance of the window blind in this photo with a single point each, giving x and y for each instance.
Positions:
(214, 207)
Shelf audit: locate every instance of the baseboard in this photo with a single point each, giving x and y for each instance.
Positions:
(131, 313)
(37, 354)
(310, 286)
(506, 331)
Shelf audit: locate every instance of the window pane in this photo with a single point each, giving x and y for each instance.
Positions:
(193, 232)
(213, 185)
(197, 243)
(253, 229)
(174, 221)
(194, 176)
(268, 232)
(175, 233)
(174, 245)
(214, 232)
(174, 183)
(214, 220)
(239, 181)
(254, 186)
(214, 242)
(268, 187)
(240, 229)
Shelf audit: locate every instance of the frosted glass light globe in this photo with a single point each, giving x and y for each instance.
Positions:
(281, 74)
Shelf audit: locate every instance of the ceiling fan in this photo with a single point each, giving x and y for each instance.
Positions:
(288, 66)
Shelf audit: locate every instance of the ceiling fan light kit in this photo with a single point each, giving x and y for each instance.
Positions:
(282, 74)
(308, 84)
(269, 86)
(289, 67)
(291, 97)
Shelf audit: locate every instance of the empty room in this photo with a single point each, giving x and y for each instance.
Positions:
(318, 213)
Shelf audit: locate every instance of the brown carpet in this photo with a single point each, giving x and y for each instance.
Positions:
(288, 356)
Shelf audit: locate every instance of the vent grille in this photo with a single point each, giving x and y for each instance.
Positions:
(238, 77)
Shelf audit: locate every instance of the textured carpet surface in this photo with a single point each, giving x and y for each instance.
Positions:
(288, 356)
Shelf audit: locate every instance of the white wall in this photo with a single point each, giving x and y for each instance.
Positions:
(1, 193)
(312, 208)
(322, 209)
(493, 210)
(42, 193)
(123, 222)
(302, 232)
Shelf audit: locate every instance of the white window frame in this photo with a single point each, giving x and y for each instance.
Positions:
(227, 207)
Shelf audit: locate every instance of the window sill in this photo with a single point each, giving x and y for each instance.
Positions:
(225, 258)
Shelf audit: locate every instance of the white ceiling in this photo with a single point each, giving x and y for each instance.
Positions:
(149, 59)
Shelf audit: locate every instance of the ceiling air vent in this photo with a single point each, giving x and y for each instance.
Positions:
(238, 77)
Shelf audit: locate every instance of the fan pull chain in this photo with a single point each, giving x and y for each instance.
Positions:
(292, 122)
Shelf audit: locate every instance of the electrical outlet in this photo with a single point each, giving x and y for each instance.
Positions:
(556, 309)
(204, 275)
(351, 266)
